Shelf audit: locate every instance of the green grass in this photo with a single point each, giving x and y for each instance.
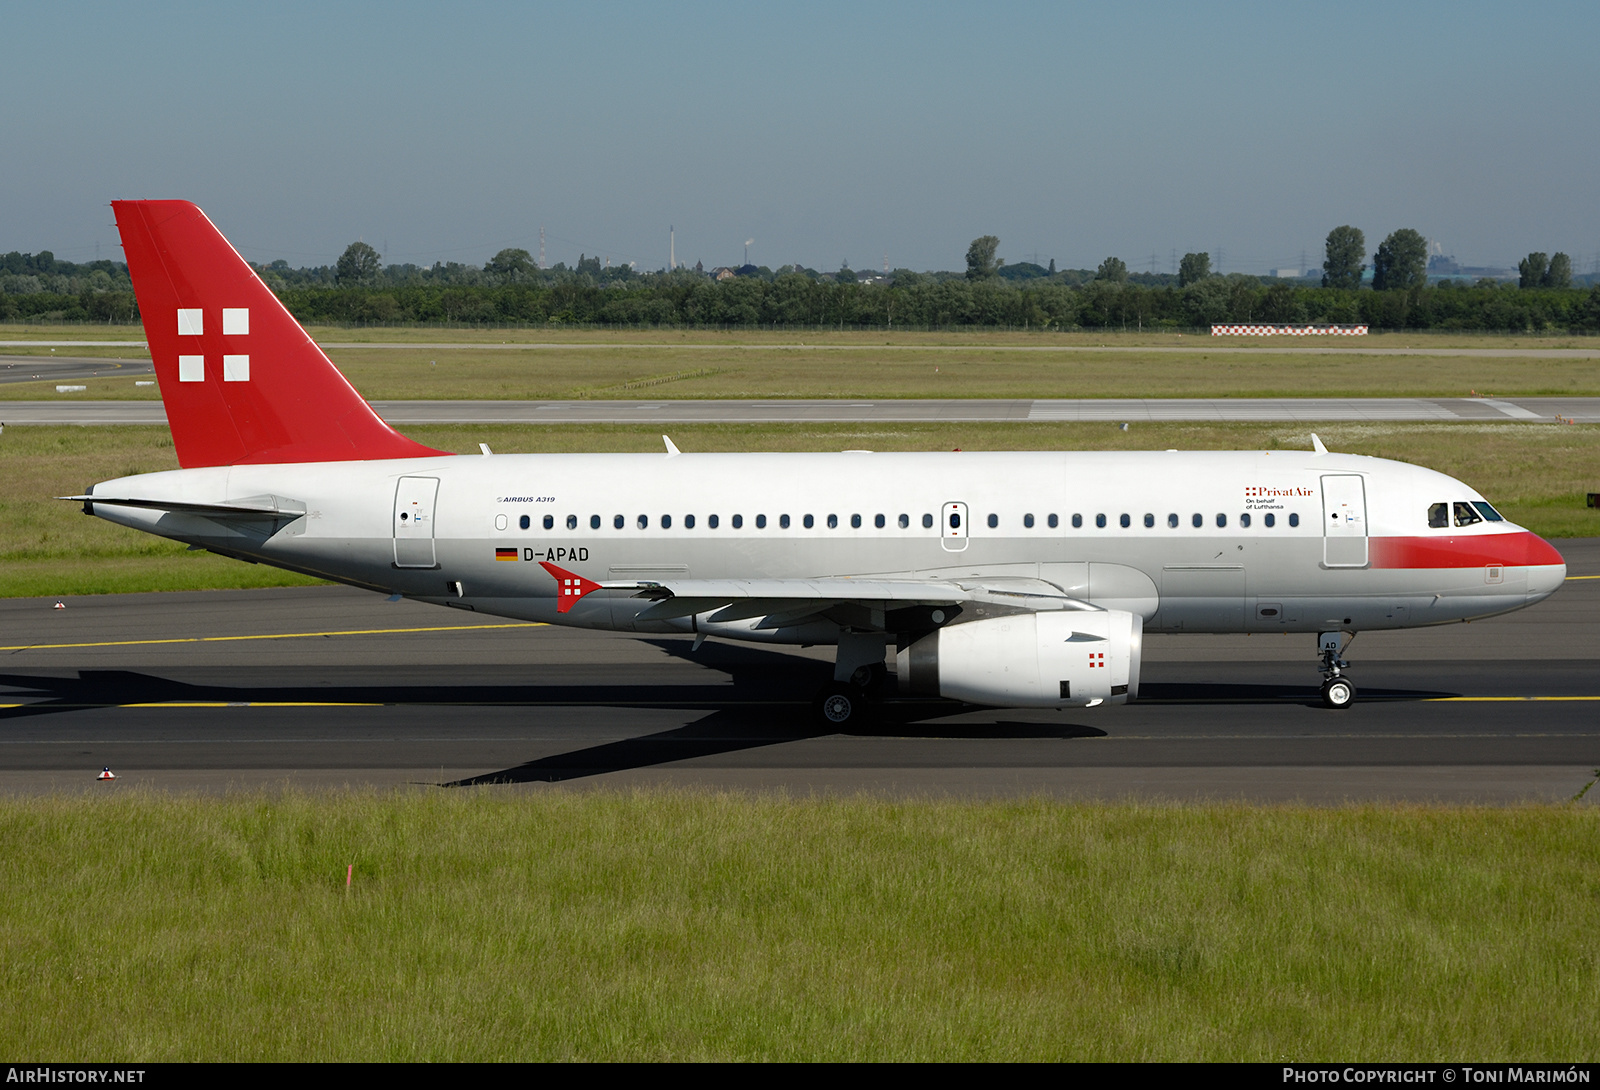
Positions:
(709, 364)
(1537, 474)
(664, 925)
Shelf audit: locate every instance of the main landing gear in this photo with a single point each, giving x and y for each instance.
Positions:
(1337, 690)
(857, 671)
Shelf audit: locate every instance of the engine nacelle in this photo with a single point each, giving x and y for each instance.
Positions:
(1059, 659)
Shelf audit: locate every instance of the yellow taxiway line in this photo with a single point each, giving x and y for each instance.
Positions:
(272, 636)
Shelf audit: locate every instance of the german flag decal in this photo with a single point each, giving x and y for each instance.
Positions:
(505, 554)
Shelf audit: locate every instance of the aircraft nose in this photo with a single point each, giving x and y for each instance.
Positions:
(1545, 578)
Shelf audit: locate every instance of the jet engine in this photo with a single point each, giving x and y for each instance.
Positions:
(1057, 659)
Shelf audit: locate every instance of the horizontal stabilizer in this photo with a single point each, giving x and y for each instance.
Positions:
(256, 507)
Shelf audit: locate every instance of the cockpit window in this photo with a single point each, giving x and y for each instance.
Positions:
(1465, 515)
(1438, 516)
(1488, 512)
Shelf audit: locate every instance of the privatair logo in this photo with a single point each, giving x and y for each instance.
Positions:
(1097, 658)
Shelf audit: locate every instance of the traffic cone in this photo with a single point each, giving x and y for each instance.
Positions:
(60, 604)
(106, 774)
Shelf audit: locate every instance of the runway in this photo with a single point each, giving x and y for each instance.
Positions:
(1582, 410)
(67, 368)
(327, 686)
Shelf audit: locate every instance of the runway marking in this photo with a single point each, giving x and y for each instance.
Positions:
(250, 704)
(1484, 699)
(1570, 578)
(272, 636)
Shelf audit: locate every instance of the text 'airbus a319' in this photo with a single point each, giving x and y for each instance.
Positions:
(1001, 579)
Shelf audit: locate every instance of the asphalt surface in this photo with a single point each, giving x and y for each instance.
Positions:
(328, 686)
(68, 368)
(1584, 410)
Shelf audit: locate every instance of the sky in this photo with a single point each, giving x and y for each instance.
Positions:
(825, 132)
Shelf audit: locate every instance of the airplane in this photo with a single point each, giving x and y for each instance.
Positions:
(997, 579)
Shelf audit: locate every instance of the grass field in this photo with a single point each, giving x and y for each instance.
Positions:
(555, 334)
(707, 364)
(1536, 473)
(661, 925)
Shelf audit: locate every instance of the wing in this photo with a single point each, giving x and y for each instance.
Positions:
(783, 602)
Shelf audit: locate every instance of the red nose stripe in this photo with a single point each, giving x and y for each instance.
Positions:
(1516, 550)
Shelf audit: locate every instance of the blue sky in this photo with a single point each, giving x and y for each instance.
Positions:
(826, 132)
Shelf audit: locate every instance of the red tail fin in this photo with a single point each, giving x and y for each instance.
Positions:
(242, 382)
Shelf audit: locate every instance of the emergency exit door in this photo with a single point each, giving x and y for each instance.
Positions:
(953, 527)
(413, 522)
(1344, 521)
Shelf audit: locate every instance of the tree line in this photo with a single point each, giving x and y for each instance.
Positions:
(511, 290)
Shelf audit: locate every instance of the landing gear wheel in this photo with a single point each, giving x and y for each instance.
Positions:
(1338, 693)
(840, 705)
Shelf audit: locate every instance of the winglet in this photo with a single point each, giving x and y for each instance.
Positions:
(570, 586)
(1316, 444)
(672, 448)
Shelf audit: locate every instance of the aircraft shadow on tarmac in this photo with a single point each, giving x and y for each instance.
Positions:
(762, 702)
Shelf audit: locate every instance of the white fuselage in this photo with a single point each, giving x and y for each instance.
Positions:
(1213, 541)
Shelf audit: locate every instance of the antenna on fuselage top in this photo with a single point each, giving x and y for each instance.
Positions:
(672, 448)
(1316, 444)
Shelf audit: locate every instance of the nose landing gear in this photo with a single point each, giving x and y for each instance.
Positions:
(1337, 690)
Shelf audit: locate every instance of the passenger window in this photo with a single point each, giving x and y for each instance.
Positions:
(1465, 515)
(524, 522)
(927, 522)
(855, 522)
(1027, 520)
(1488, 512)
(994, 521)
(738, 522)
(1100, 521)
(783, 522)
(666, 522)
(808, 522)
(1149, 520)
(688, 522)
(1053, 521)
(1271, 520)
(1222, 520)
(644, 522)
(1077, 522)
(1198, 520)
(594, 522)
(1125, 521)
(878, 521)
(833, 522)
(572, 522)
(549, 522)
(1438, 516)
(1294, 520)
(1172, 520)
(905, 522)
(955, 520)
(1244, 520)
(761, 522)
(712, 521)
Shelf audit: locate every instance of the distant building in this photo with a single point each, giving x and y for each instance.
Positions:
(722, 272)
(1287, 274)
